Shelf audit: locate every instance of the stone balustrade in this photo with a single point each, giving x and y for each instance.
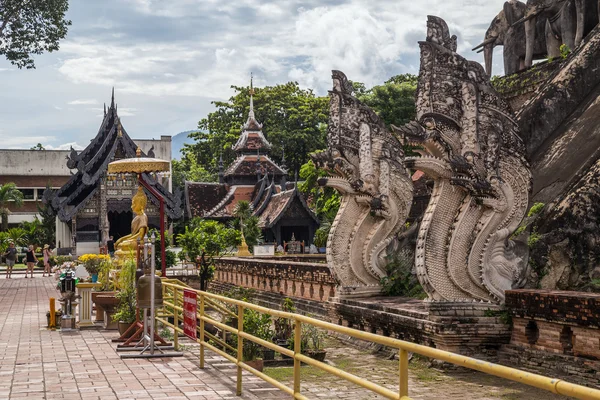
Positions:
(308, 280)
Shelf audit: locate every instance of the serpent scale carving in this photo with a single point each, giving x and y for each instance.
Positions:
(471, 148)
(365, 163)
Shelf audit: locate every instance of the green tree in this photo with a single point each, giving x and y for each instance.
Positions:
(38, 146)
(292, 118)
(247, 223)
(9, 194)
(18, 236)
(47, 223)
(206, 239)
(188, 169)
(394, 101)
(31, 27)
(325, 201)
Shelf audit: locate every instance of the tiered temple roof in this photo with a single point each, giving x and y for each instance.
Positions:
(111, 143)
(254, 177)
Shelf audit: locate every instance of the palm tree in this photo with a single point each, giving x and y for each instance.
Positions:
(243, 211)
(9, 194)
(18, 236)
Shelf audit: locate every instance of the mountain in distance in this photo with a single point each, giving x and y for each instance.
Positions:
(177, 142)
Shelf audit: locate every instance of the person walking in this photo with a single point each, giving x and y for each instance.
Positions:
(47, 254)
(31, 260)
(11, 258)
(110, 245)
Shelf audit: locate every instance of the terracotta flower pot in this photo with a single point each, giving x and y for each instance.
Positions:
(256, 364)
(318, 355)
(123, 326)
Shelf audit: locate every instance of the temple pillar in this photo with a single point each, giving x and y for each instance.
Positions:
(63, 234)
(103, 217)
(74, 236)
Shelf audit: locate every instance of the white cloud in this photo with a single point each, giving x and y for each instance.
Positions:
(65, 146)
(10, 141)
(84, 102)
(168, 59)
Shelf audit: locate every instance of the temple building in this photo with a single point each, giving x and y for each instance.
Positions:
(91, 205)
(254, 177)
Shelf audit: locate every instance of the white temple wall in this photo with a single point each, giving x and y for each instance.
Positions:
(63, 234)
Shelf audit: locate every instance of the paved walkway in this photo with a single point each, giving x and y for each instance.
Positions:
(37, 363)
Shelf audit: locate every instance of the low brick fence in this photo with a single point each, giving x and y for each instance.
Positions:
(308, 280)
(556, 330)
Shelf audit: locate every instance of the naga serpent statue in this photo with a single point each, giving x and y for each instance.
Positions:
(365, 163)
(470, 145)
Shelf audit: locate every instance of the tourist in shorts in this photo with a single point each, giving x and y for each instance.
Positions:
(11, 258)
(47, 254)
(31, 260)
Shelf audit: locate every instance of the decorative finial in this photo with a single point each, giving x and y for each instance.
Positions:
(138, 152)
(105, 109)
(112, 98)
(251, 113)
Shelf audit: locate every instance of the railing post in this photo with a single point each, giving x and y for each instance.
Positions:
(175, 320)
(201, 331)
(240, 349)
(403, 373)
(297, 350)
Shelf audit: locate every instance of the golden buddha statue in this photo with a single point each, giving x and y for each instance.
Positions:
(139, 225)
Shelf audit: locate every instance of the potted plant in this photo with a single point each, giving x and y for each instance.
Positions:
(283, 326)
(313, 339)
(104, 297)
(92, 262)
(125, 311)
(259, 325)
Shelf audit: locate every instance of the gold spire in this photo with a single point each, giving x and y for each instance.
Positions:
(138, 152)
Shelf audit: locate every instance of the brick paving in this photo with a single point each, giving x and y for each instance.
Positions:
(37, 363)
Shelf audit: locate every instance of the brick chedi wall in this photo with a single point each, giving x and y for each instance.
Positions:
(307, 280)
(556, 331)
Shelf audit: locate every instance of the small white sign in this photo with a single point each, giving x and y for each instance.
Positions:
(264, 250)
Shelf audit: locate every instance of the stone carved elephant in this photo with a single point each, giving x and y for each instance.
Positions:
(567, 22)
(502, 33)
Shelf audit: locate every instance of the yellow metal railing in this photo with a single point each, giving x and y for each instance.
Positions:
(173, 307)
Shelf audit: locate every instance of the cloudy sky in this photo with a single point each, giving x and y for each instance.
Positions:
(168, 59)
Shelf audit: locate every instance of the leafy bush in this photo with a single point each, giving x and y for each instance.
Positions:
(400, 280)
(322, 234)
(283, 326)
(259, 325)
(127, 299)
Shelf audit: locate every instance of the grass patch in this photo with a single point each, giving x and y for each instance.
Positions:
(16, 266)
(280, 374)
(420, 367)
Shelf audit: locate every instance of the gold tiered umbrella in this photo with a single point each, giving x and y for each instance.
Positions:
(139, 165)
